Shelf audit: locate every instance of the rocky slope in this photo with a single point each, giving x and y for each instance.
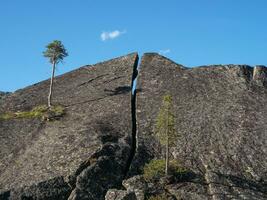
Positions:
(220, 116)
(84, 153)
(3, 94)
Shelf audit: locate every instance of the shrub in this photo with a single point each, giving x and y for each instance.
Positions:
(57, 110)
(155, 169)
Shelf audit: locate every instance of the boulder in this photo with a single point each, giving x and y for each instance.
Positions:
(114, 194)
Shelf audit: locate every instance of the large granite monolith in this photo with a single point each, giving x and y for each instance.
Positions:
(220, 115)
(221, 118)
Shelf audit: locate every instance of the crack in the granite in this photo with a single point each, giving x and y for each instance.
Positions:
(133, 113)
(133, 142)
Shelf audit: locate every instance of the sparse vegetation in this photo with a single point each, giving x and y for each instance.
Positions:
(155, 169)
(165, 128)
(43, 112)
(55, 52)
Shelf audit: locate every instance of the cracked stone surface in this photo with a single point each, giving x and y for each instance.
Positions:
(220, 113)
(98, 106)
(221, 117)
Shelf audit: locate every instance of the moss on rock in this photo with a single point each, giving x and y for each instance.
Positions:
(43, 112)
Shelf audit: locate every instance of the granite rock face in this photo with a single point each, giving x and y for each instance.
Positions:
(92, 143)
(3, 95)
(114, 194)
(221, 117)
(91, 152)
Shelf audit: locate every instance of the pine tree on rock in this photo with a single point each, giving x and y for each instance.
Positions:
(165, 128)
(56, 52)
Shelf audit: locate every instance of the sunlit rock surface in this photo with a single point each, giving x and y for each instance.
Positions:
(220, 114)
(94, 134)
(221, 117)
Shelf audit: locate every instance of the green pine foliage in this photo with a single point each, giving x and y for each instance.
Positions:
(55, 51)
(165, 128)
(165, 125)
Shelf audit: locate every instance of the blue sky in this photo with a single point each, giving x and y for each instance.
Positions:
(191, 32)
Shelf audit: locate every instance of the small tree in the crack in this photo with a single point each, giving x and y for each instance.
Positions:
(56, 52)
(165, 128)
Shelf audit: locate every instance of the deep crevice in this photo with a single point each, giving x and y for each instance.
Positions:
(132, 142)
(133, 115)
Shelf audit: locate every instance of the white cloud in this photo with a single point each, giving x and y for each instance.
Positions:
(111, 35)
(164, 51)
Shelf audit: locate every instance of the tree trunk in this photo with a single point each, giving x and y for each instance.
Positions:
(167, 145)
(167, 158)
(51, 85)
